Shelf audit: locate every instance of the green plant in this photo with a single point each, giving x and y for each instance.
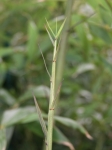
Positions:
(87, 88)
(22, 116)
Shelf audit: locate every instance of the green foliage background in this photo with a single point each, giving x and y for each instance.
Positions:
(86, 94)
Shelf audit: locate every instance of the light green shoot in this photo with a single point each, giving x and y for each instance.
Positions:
(53, 97)
(50, 28)
(60, 29)
(49, 36)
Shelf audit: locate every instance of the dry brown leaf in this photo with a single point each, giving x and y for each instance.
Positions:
(68, 144)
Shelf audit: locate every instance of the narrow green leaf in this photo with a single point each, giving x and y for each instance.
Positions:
(50, 28)
(74, 124)
(41, 118)
(27, 115)
(49, 36)
(60, 29)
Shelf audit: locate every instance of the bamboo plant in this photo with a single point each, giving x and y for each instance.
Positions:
(48, 131)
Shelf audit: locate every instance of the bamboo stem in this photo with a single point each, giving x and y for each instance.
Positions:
(63, 44)
(52, 96)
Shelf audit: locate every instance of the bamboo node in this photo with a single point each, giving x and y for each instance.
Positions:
(51, 109)
(54, 60)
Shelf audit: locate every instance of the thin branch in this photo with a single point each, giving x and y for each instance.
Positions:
(45, 63)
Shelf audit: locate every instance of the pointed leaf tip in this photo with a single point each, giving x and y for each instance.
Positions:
(89, 136)
(50, 36)
(60, 29)
(50, 27)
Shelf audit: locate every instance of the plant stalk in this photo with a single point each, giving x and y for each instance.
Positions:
(52, 96)
(63, 44)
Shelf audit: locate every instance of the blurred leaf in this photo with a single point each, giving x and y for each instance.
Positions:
(3, 70)
(14, 116)
(108, 5)
(83, 68)
(58, 136)
(105, 16)
(73, 124)
(19, 115)
(6, 51)
(31, 118)
(9, 133)
(39, 91)
(84, 41)
(2, 139)
(32, 41)
(41, 120)
(106, 63)
(101, 33)
(35, 127)
(96, 3)
(45, 45)
(6, 97)
(19, 60)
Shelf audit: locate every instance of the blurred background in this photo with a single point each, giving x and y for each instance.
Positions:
(86, 93)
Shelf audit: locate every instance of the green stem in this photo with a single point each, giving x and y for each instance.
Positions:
(52, 96)
(59, 75)
(63, 44)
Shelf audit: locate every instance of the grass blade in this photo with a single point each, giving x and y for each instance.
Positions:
(50, 28)
(41, 119)
(60, 29)
(49, 36)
